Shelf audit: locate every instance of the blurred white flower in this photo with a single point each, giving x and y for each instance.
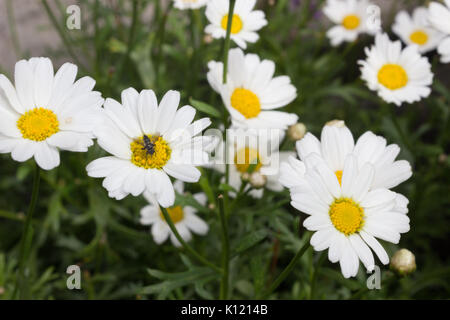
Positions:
(184, 218)
(46, 112)
(244, 25)
(344, 190)
(416, 30)
(252, 93)
(336, 143)
(397, 75)
(439, 18)
(189, 4)
(149, 143)
(351, 18)
(250, 153)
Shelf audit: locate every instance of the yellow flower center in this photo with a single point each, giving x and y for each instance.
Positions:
(392, 76)
(245, 158)
(150, 152)
(236, 23)
(419, 37)
(351, 22)
(346, 215)
(246, 102)
(38, 124)
(339, 176)
(176, 214)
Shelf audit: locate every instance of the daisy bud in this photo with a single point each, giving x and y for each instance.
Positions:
(336, 123)
(245, 176)
(403, 262)
(297, 131)
(257, 180)
(207, 39)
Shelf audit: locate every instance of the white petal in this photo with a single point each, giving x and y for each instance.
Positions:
(349, 261)
(24, 150)
(43, 82)
(46, 157)
(24, 80)
(363, 251)
(166, 110)
(160, 232)
(376, 246)
(71, 141)
(196, 224)
(148, 111)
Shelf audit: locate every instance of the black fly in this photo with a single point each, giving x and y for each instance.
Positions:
(148, 145)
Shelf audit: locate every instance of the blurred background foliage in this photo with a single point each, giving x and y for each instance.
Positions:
(149, 44)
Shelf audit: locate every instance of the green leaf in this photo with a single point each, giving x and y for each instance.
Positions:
(226, 187)
(205, 108)
(172, 281)
(258, 271)
(251, 240)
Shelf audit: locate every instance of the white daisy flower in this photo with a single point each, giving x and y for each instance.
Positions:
(189, 4)
(397, 75)
(253, 154)
(149, 143)
(45, 112)
(246, 21)
(439, 18)
(348, 205)
(336, 143)
(251, 93)
(416, 30)
(184, 218)
(351, 18)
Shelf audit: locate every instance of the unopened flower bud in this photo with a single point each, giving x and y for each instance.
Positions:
(207, 39)
(336, 123)
(245, 176)
(297, 131)
(442, 158)
(257, 180)
(403, 262)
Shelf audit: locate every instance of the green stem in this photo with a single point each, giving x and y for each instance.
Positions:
(184, 244)
(288, 269)
(131, 41)
(405, 139)
(315, 274)
(226, 46)
(160, 35)
(11, 216)
(12, 28)
(27, 234)
(225, 251)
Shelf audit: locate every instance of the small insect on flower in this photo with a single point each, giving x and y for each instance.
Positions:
(148, 144)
